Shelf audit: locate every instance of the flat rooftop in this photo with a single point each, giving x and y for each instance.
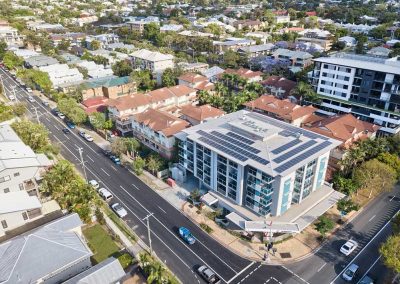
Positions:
(249, 138)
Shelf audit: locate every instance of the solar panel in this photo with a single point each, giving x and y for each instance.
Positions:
(223, 149)
(286, 147)
(295, 151)
(312, 135)
(302, 157)
(234, 141)
(240, 138)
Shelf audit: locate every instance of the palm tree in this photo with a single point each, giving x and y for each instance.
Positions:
(132, 146)
(156, 273)
(153, 163)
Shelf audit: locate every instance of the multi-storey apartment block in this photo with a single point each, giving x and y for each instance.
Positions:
(253, 161)
(367, 87)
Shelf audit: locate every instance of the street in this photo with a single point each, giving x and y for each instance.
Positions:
(370, 228)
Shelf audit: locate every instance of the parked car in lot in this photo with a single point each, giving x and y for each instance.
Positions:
(119, 210)
(29, 90)
(208, 275)
(11, 97)
(350, 272)
(70, 124)
(105, 194)
(115, 159)
(31, 99)
(366, 280)
(94, 184)
(45, 103)
(348, 247)
(66, 130)
(186, 235)
(108, 153)
(61, 115)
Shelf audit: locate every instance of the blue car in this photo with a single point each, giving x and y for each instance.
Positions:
(115, 159)
(70, 124)
(186, 235)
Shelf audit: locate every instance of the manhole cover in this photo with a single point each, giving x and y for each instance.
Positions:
(285, 254)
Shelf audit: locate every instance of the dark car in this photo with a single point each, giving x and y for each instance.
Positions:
(108, 153)
(66, 130)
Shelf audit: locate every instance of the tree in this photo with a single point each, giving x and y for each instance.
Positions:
(324, 225)
(344, 185)
(168, 78)
(3, 49)
(6, 112)
(95, 44)
(152, 33)
(132, 146)
(138, 165)
(156, 274)
(375, 176)
(143, 80)
(390, 251)
(36, 79)
(153, 163)
(19, 109)
(230, 59)
(64, 44)
(32, 134)
(97, 120)
(12, 61)
(391, 160)
(346, 205)
(122, 68)
(118, 146)
(378, 33)
(72, 110)
(396, 224)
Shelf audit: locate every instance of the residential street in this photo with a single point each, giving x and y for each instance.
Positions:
(369, 228)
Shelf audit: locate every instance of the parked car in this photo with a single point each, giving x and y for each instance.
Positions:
(82, 133)
(208, 275)
(105, 194)
(11, 97)
(94, 184)
(55, 111)
(119, 210)
(348, 247)
(61, 115)
(88, 137)
(115, 159)
(29, 90)
(366, 280)
(186, 235)
(350, 272)
(108, 153)
(45, 103)
(66, 130)
(70, 124)
(31, 99)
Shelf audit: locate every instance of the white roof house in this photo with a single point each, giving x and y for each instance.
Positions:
(151, 55)
(18, 201)
(61, 73)
(95, 70)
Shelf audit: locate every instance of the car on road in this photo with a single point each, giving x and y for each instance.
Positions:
(66, 130)
(208, 275)
(349, 247)
(119, 210)
(70, 124)
(31, 99)
(45, 103)
(186, 235)
(61, 115)
(105, 194)
(29, 90)
(350, 272)
(115, 159)
(93, 183)
(366, 280)
(55, 111)
(108, 153)
(88, 138)
(11, 97)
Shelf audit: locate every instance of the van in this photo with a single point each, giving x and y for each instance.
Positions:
(350, 272)
(105, 194)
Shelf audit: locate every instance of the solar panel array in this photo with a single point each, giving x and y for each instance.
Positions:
(230, 148)
(286, 146)
(240, 138)
(302, 157)
(236, 142)
(295, 151)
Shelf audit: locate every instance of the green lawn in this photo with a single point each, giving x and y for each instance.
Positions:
(100, 242)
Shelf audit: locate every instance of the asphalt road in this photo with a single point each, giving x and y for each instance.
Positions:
(325, 266)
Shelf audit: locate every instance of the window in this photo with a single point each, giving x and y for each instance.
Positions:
(3, 179)
(25, 216)
(4, 224)
(6, 190)
(16, 174)
(348, 70)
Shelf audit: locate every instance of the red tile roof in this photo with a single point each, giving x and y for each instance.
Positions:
(201, 113)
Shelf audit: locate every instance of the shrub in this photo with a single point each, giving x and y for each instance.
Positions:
(125, 259)
(206, 228)
(100, 216)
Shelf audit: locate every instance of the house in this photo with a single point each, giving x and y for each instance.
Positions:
(73, 38)
(252, 25)
(349, 41)
(109, 87)
(232, 45)
(379, 51)
(282, 19)
(281, 109)
(171, 28)
(299, 59)
(256, 50)
(156, 130)
(20, 167)
(325, 43)
(137, 26)
(120, 46)
(111, 56)
(193, 67)
(190, 33)
(199, 114)
(58, 247)
(61, 74)
(103, 39)
(153, 61)
(24, 53)
(45, 27)
(247, 74)
(280, 87)
(196, 81)
(84, 19)
(10, 35)
(213, 73)
(94, 70)
(39, 61)
(264, 37)
(354, 28)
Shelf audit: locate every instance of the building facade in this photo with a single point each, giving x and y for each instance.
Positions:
(254, 161)
(367, 87)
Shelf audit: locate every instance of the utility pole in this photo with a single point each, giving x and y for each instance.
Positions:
(148, 231)
(83, 163)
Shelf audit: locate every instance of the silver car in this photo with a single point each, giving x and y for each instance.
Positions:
(119, 210)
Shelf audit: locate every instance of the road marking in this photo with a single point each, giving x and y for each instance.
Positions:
(373, 238)
(290, 271)
(393, 197)
(55, 126)
(48, 119)
(89, 158)
(105, 172)
(273, 279)
(122, 187)
(370, 219)
(319, 269)
(240, 272)
(66, 136)
(114, 168)
(370, 268)
(248, 275)
(135, 186)
(162, 209)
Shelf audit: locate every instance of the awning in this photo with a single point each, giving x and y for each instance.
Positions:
(209, 199)
(271, 227)
(236, 219)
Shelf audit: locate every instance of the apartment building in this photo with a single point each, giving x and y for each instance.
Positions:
(196, 81)
(10, 35)
(365, 86)
(104, 39)
(278, 86)
(153, 61)
(254, 51)
(110, 87)
(156, 129)
(299, 59)
(199, 114)
(231, 44)
(255, 165)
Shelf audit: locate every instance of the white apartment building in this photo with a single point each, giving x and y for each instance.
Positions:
(153, 61)
(11, 36)
(366, 86)
(95, 70)
(61, 73)
(253, 163)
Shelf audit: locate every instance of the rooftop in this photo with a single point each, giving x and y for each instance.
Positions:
(201, 113)
(249, 138)
(151, 55)
(18, 201)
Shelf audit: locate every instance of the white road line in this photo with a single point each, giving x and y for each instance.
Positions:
(370, 268)
(240, 272)
(66, 136)
(370, 219)
(319, 269)
(135, 186)
(393, 197)
(373, 238)
(122, 187)
(162, 209)
(290, 271)
(55, 126)
(48, 119)
(105, 172)
(114, 168)
(89, 158)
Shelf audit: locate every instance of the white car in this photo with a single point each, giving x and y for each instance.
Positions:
(29, 90)
(119, 210)
(88, 137)
(105, 194)
(31, 99)
(11, 97)
(348, 247)
(61, 115)
(94, 184)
